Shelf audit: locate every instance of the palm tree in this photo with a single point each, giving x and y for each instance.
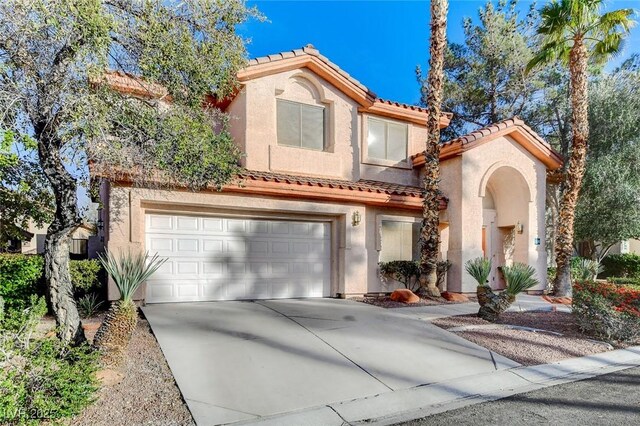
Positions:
(429, 232)
(575, 31)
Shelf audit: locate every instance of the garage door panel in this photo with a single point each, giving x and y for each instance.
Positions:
(237, 258)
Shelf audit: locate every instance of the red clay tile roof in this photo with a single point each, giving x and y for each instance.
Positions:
(494, 128)
(309, 49)
(449, 115)
(360, 185)
(514, 127)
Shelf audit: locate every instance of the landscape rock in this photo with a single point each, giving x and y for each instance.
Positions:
(455, 297)
(405, 296)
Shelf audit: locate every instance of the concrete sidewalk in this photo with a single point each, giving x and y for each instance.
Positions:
(523, 303)
(418, 402)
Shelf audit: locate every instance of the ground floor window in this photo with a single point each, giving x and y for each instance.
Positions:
(399, 240)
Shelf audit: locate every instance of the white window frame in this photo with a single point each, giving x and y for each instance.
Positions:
(390, 218)
(367, 159)
(324, 125)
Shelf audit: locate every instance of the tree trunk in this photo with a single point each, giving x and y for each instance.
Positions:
(429, 232)
(580, 126)
(56, 248)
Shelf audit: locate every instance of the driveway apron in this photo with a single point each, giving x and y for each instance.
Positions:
(237, 361)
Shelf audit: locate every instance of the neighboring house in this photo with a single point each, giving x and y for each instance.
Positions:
(81, 239)
(331, 188)
(626, 246)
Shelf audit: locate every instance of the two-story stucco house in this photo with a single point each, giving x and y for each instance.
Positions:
(331, 188)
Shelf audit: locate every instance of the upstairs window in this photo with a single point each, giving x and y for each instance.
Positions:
(399, 241)
(387, 140)
(300, 125)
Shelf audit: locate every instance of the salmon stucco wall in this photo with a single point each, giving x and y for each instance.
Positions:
(518, 182)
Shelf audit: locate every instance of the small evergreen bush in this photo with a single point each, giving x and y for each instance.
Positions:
(84, 276)
(19, 278)
(406, 272)
(607, 310)
(41, 378)
(622, 265)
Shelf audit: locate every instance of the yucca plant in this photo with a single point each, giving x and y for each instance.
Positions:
(128, 271)
(480, 269)
(519, 277)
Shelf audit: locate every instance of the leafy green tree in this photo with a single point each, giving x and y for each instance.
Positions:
(24, 192)
(54, 90)
(608, 209)
(576, 31)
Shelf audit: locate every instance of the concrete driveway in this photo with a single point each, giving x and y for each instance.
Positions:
(238, 361)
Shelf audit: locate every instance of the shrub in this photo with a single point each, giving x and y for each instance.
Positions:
(41, 378)
(585, 269)
(442, 268)
(89, 304)
(19, 277)
(84, 276)
(406, 272)
(607, 310)
(624, 281)
(622, 265)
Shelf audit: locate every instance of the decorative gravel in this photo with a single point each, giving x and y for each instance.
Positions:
(147, 394)
(528, 347)
(386, 302)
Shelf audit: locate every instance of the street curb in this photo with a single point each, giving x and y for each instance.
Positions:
(409, 404)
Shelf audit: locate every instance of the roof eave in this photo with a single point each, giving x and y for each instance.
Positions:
(534, 145)
(359, 94)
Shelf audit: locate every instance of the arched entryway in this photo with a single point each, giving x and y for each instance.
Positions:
(505, 219)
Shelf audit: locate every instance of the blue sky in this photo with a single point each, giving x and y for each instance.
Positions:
(378, 42)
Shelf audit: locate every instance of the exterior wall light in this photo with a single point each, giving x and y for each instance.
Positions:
(356, 218)
(519, 228)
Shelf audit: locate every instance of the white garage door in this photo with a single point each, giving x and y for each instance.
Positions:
(214, 258)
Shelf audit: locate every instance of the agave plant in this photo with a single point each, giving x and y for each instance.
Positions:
(128, 271)
(519, 277)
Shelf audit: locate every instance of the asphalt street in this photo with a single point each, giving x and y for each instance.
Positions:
(611, 399)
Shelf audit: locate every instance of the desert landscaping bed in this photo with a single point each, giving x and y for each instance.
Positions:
(141, 391)
(525, 346)
(386, 302)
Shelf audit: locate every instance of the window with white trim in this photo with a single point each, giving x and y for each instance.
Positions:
(399, 240)
(386, 140)
(300, 125)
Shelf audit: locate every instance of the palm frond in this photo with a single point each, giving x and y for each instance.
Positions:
(519, 277)
(550, 52)
(479, 268)
(554, 18)
(129, 270)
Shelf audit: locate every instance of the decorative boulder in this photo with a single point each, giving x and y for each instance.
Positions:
(455, 297)
(405, 296)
